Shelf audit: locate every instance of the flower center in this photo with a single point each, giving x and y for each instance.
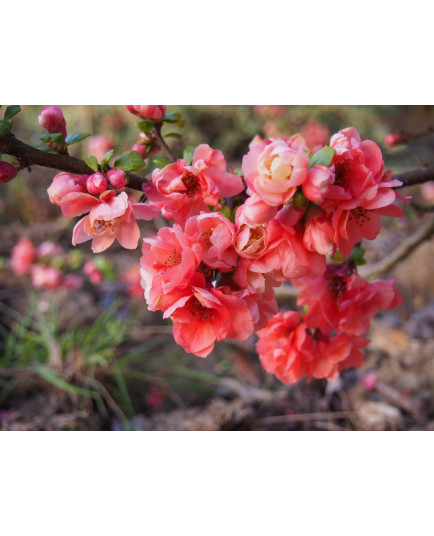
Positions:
(192, 184)
(341, 171)
(173, 259)
(103, 227)
(360, 215)
(198, 310)
(337, 286)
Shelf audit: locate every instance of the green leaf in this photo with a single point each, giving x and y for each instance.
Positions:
(76, 137)
(51, 376)
(11, 111)
(172, 117)
(107, 157)
(173, 135)
(188, 153)
(161, 161)
(5, 127)
(357, 255)
(323, 157)
(56, 138)
(92, 162)
(129, 161)
(238, 171)
(145, 126)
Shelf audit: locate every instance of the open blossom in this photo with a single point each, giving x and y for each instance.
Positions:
(52, 120)
(216, 236)
(66, 183)
(182, 191)
(148, 112)
(169, 260)
(202, 316)
(287, 349)
(22, 256)
(343, 301)
(273, 170)
(110, 217)
(7, 172)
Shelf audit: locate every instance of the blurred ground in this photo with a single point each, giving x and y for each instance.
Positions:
(61, 371)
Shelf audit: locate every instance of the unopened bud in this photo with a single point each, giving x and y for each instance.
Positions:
(96, 183)
(116, 178)
(7, 172)
(395, 138)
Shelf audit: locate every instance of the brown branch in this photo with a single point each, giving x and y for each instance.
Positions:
(29, 156)
(417, 176)
(163, 144)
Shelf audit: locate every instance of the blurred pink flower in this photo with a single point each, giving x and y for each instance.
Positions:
(22, 256)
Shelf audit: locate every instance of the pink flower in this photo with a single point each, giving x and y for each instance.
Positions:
(182, 191)
(46, 277)
(148, 112)
(216, 236)
(201, 316)
(369, 381)
(254, 212)
(100, 145)
(169, 260)
(288, 350)
(155, 397)
(273, 170)
(7, 172)
(111, 217)
(52, 120)
(22, 256)
(319, 185)
(96, 183)
(318, 234)
(116, 178)
(343, 301)
(66, 183)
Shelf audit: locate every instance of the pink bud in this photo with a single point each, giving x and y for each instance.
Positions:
(72, 282)
(395, 138)
(51, 118)
(116, 178)
(7, 172)
(148, 112)
(96, 183)
(22, 256)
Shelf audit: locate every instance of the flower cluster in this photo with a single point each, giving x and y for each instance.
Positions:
(339, 306)
(214, 271)
(46, 265)
(111, 215)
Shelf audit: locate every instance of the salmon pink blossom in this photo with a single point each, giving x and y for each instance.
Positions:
(273, 170)
(182, 191)
(111, 217)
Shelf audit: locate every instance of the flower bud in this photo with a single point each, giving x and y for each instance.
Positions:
(395, 138)
(116, 178)
(96, 183)
(148, 112)
(51, 118)
(7, 172)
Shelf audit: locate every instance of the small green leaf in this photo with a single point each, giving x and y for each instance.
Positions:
(188, 154)
(92, 162)
(161, 161)
(172, 117)
(56, 138)
(129, 161)
(5, 127)
(173, 135)
(323, 157)
(51, 376)
(45, 149)
(145, 126)
(357, 255)
(76, 137)
(238, 171)
(11, 111)
(181, 123)
(107, 157)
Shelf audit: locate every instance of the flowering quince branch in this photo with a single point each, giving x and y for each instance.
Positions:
(214, 271)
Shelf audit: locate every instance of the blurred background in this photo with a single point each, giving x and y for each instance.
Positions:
(87, 355)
